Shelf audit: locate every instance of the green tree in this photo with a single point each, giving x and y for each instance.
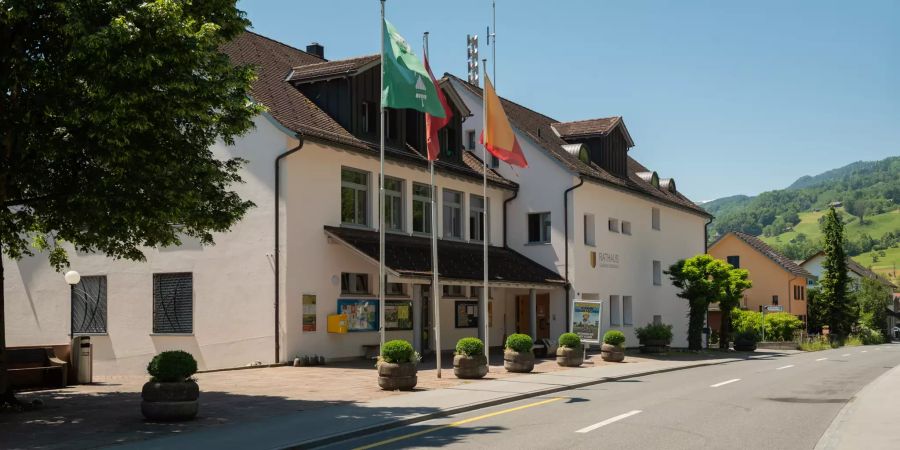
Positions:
(873, 300)
(730, 298)
(835, 305)
(700, 279)
(108, 111)
(857, 207)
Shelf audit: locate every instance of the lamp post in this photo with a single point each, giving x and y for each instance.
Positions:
(72, 278)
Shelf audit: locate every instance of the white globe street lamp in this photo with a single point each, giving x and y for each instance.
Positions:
(72, 277)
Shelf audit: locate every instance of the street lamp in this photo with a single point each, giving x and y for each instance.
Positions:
(72, 278)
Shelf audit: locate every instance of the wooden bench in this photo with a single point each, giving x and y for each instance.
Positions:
(371, 351)
(35, 367)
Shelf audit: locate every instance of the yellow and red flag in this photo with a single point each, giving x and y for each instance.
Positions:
(434, 124)
(498, 136)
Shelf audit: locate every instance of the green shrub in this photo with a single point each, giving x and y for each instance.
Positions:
(397, 351)
(570, 340)
(869, 336)
(172, 366)
(470, 346)
(780, 326)
(743, 321)
(614, 337)
(519, 342)
(817, 344)
(853, 341)
(746, 337)
(652, 332)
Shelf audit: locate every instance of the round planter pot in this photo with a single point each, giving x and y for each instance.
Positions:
(470, 367)
(612, 353)
(745, 346)
(397, 376)
(170, 402)
(570, 357)
(519, 362)
(654, 346)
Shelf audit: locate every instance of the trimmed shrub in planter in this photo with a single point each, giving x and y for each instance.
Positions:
(171, 395)
(517, 355)
(613, 348)
(397, 366)
(470, 361)
(654, 338)
(569, 353)
(745, 341)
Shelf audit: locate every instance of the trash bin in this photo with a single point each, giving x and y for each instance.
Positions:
(83, 359)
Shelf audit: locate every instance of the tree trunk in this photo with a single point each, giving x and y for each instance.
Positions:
(695, 325)
(6, 393)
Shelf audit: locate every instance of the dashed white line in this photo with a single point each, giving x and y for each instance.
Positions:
(846, 354)
(725, 382)
(821, 359)
(864, 351)
(608, 421)
(785, 367)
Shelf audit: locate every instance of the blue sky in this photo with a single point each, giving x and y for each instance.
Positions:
(727, 97)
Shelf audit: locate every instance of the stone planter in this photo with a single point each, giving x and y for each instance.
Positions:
(519, 362)
(654, 346)
(170, 402)
(745, 346)
(570, 357)
(612, 353)
(470, 367)
(397, 376)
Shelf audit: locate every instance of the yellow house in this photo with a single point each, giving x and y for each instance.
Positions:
(776, 279)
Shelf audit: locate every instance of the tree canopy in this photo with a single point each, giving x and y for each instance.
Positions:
(833, 294)
(701, 280)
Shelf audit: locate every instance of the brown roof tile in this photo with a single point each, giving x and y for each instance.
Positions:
(585, 128)
(783, 261)
(344, 67)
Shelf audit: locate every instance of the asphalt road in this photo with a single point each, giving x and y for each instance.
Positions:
(784, 402)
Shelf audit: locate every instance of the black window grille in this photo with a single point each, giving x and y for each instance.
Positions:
(173, 305)
(89, 306)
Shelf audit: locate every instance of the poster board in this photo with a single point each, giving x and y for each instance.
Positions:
(309, 312)
(586, 315)
(466, 314)
(362, 314)
(398, 315)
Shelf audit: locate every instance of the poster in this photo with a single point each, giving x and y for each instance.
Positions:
(362, 315)
(398, 315)
(586, 320)
(466, 314)
(309, 312)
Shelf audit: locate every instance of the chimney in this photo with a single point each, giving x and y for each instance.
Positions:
(316, 49)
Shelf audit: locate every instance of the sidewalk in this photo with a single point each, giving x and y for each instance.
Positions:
(313, 428)
(869, 420)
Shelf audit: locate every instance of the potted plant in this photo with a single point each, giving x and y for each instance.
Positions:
(397, 366)
(569, 353)
(745, 341)
(517, 354)
(613, 348)
(654, 338)
(171, 394)
(469, 362)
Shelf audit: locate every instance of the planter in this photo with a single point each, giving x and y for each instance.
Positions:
(397, 376)
(519, 362)
(470, 367)
(570, 357)
(170, 402)
(654, 346)
(745, 346)
(612, 353)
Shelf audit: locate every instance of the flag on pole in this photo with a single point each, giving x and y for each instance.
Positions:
(498, 136)
(434, 124)
(406, 84)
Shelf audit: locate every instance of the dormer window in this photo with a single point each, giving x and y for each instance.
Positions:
(367, 118)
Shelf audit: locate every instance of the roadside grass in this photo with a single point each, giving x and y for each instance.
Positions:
(885, 265)
(816, 345)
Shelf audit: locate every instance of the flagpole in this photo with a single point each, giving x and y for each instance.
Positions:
(381, 278)
(435, 287)
(484, 228)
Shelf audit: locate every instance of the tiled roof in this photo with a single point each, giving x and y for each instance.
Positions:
(585, 128)
(332, 68)
(538, 128)
(864, 272)
(783, 261)
(411, 256)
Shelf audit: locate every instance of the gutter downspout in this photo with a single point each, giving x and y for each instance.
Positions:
(505, 203)
(566, 226)
(277, 244)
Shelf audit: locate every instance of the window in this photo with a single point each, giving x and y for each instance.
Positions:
(470, 139)
(354, 197)
(626, 227)
(614, 225)
(368, 118)
(775, 300)
(393, 288)
(466, 314)
(393, 204)
(453, 290)
(589, 230)
(89, 306)
(655, 218)
(355, 283)
(626, 311)
(421, 208)
(477, 217)
(657, 320)
(173, 303)
(615, 310)
(734, 260)
(494, 161)
(453, 214)
(657, 273)
(539, 228)
(799, 293)
(391, 123)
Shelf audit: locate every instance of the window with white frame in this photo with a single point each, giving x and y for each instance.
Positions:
(354, 283)
(657, 273)
(393, 204)
(421, 208)
(470, 139)
(453, 221)
(453, 290)
(627, 310)
(615, 310)
(613, 225)
(589, 230)
(173, 303)
(354, 197)
(626, 227)
(477, 217)
(539, 228)
(654, 216)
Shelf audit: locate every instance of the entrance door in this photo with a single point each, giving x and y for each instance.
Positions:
(523, 315)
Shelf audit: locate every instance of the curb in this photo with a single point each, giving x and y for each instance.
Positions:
(392, 424)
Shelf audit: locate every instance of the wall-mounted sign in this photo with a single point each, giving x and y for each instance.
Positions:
(362, 315)
(586, 320)
(466, 314)
(398, 315)
(309, 312)
(610, 260)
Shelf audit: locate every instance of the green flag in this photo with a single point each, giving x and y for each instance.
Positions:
(407, 84)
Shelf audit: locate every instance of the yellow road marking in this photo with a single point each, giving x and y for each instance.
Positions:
(457, 423)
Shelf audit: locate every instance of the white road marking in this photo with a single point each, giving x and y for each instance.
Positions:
(846, 354)
(785, 367)
(821, 359)
(725, 382)
(864, 351)
(608, 421)
(760, 356)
